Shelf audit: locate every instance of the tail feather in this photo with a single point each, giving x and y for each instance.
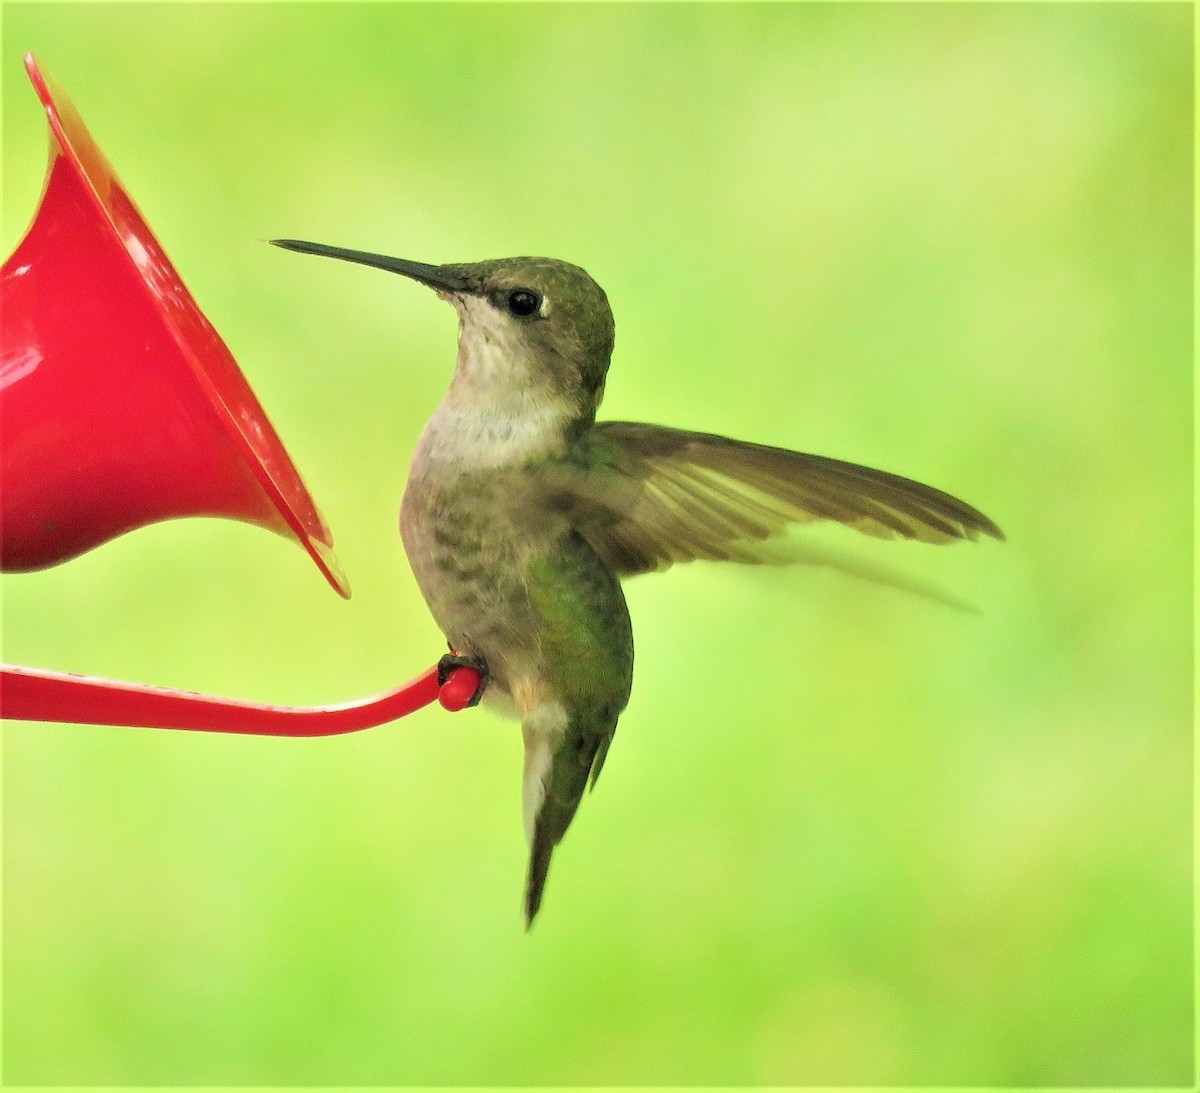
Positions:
(601, 755)
(539, 868)
(557, 767)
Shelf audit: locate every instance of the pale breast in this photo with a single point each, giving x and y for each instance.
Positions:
(471, 521)
(472, 528)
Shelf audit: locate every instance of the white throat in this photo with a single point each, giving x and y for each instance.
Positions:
(495, 413)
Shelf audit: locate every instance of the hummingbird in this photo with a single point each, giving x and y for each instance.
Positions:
(522, 514)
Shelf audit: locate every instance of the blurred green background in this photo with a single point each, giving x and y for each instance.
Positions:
(845, 835)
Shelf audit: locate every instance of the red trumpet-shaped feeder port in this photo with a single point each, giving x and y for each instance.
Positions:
(122, 406)
(30, 694)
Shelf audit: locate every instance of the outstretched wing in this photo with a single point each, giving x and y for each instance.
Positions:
(645, 497)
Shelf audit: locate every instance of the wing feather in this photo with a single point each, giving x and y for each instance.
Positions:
(646, 497)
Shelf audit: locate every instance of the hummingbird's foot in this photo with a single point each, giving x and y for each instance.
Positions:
(460, 660)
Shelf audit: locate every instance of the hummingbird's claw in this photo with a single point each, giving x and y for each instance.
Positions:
(460, 660)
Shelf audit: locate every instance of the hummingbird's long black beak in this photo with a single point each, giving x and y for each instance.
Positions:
(433, 276)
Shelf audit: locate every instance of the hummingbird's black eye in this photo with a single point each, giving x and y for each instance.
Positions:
(523, 302)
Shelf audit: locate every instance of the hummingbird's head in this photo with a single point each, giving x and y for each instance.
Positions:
(536, 323)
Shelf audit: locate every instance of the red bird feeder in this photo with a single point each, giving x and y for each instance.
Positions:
(122, 407)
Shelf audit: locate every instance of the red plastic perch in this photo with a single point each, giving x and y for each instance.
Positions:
(33, 694)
